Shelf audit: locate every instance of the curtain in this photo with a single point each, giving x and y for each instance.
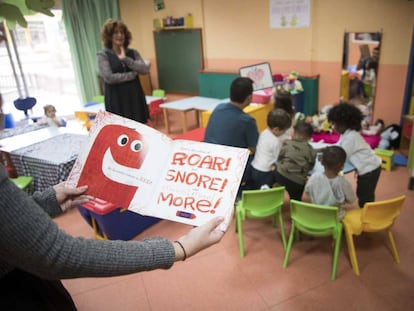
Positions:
(83, 20)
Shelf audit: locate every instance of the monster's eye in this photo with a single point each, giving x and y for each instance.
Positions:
(136, 146)
(122, 140)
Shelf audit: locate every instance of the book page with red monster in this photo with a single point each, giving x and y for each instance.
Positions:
(137, 167)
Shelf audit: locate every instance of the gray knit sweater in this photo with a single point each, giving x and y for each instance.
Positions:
(30, 240)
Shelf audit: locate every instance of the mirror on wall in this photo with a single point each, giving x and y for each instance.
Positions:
(360, 64)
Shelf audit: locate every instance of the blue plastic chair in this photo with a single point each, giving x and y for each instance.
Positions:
(25, 104)
(9, 121)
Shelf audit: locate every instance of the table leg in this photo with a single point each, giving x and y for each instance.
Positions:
(166, 122)
(184, 114)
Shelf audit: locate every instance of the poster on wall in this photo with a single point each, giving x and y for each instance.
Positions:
(289, 13)
(261, 74)
(159, 5)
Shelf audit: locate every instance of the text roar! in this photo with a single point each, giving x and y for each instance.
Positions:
(199, 161)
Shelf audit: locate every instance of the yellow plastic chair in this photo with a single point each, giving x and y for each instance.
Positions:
(260, 204)
(23, 182)
(315, 220)
(83, 118)
(373, 217)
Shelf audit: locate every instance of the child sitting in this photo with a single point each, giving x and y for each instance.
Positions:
(296, 159)
(268, 148)
(283, 100)
(329, 187)
(346, 120)
(50, 117)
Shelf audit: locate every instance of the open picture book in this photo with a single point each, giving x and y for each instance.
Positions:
(137, 167)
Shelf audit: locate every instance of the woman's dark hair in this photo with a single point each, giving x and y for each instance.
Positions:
(283, 100)
(240, 89)
(333, 157)
(346, 115)
(108, 30)
(278, 118)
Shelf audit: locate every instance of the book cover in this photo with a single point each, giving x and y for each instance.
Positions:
(137, 167)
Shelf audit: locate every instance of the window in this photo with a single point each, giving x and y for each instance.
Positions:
(47, 72)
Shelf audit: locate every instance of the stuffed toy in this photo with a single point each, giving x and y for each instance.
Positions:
(390, 137)
(319, 121)
(372, 129)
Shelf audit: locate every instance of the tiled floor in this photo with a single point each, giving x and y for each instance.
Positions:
(218, 279)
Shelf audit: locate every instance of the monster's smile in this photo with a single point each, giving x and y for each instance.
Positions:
(118, 172)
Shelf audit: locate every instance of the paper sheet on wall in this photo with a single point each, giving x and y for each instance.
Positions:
(137, 167)
(289, 13)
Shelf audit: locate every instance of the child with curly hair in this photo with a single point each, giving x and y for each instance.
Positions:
(346, 120)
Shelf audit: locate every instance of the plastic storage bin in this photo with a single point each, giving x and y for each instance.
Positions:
(114, 223)
(262, 96)
(386, 158)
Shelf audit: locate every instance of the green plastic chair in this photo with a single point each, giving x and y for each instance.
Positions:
(316, 220)
(98, 99)
(23, 182)
(158, 93)
(260, 204)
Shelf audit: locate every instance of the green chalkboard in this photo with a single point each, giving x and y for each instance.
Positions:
(179, 54)
(216, 85)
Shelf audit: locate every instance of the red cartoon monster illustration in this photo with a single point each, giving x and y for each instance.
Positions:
(111, 169)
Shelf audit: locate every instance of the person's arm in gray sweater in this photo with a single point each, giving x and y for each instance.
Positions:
(30, 240)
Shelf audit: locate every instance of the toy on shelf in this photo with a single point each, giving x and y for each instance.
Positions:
(319, 121)
(374, 129)
(287, 83)
(390, 137)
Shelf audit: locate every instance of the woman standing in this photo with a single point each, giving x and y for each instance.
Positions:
(119, 67)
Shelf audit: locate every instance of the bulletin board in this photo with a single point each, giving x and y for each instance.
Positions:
(261, 74)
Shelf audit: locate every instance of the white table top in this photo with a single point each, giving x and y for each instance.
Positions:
(348, 167)
(9, 132)
(101, 106)
(49, 161)
(10, 144)
(93, 108)
(65, 147)
(195, 102)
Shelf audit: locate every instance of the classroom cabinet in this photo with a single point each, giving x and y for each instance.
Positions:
(310, 86)
(215, 84)
(406, 134)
